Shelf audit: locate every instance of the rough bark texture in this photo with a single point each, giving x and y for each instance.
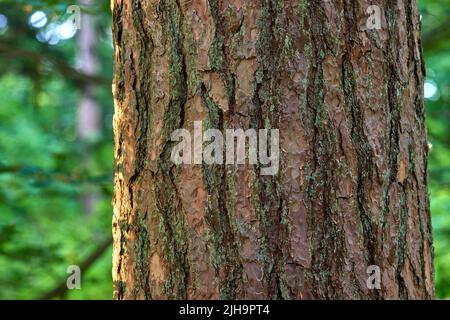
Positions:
(352, 186)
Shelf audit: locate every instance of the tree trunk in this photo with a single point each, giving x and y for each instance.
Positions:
(351, 191)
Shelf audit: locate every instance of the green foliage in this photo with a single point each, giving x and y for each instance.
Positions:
(436, 42)
(43, 169)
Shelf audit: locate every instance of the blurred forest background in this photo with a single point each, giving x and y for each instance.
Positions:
(56, 145)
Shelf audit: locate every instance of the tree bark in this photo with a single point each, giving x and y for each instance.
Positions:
(352, 187)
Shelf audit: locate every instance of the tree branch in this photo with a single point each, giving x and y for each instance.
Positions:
(59, 64)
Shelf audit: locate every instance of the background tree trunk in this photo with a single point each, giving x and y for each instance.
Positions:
(352, 186)
(89, 110)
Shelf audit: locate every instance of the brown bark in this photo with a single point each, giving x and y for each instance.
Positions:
(352, 187)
